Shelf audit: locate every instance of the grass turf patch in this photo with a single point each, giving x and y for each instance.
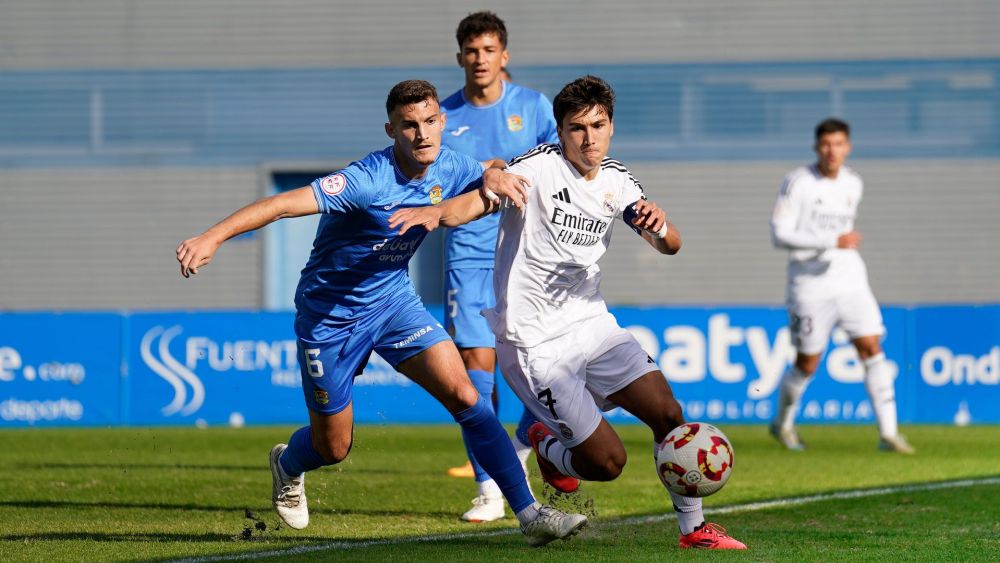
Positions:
(160, 493)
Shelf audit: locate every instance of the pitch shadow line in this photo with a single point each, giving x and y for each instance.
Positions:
(745, 507)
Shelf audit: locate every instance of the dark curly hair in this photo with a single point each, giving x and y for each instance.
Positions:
(481, 23)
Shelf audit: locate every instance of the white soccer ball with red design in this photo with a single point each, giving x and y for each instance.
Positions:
(694, 460)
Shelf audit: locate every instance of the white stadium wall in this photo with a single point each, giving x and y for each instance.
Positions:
(126, 126)
(139, 34)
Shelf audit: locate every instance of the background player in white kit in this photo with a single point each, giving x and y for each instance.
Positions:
(828, 283)
(559, 348)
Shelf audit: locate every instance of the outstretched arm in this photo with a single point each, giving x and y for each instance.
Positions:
(653, 226)
(198, 251)
(451, 213)
(497, 184)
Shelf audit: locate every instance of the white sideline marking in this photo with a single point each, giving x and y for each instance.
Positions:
(746, 507)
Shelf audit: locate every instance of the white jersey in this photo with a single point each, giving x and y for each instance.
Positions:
(811, 213)
(546, 277)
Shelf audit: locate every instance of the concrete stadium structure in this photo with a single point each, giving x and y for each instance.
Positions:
(127, 125)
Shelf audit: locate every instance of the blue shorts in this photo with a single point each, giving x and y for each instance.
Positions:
(467, 292)
(332, 352)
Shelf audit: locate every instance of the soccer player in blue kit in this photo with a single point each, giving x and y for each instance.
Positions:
(487, 118)
(355, 296)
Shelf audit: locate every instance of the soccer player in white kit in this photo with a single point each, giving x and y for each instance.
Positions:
(813, 219)
(559, 348)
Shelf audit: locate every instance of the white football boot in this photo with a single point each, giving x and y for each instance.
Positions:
(551, 525)
(485, 509)
(788, 437)
(897, 444)
(288, 495)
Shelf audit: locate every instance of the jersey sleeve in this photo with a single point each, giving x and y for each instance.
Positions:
(347, 190)
(785, 219)
(545, 121)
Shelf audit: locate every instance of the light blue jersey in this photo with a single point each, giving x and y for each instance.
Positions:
(357, 262)
(520, 120)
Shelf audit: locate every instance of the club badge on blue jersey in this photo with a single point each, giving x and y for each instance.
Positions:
(514, 123)
(436, 195)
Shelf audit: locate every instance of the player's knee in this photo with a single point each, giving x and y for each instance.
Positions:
(464, 397)
(612, 466)
(807, 364)
(333, 450)
(868, 348)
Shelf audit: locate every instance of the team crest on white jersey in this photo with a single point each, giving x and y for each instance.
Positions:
(333, 185)
(435, 195)
(514, 123)
(609, 202)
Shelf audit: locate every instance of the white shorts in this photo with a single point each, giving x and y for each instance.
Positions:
(565, 382)
(812, 320)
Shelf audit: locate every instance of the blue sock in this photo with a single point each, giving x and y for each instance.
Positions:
(483, 382)
(300, 456)
(527, 419)
(494, 451)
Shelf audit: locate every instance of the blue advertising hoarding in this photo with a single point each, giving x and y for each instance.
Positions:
(956, 364)
(241, 368)
(724, 364)
(60, 369)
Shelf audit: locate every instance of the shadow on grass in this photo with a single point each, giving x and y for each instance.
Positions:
(58, 504)
(152, 537)
(261, 467)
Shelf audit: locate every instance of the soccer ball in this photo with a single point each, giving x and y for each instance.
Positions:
(694, 460)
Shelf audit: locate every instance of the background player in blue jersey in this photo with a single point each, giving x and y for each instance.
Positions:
(487, 118)
(355, 296)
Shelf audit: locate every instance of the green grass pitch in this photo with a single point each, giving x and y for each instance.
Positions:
(174, 493)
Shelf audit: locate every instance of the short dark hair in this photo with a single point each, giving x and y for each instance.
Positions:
(832, 125)
(481, 23)
(409, 92)
(581, 95)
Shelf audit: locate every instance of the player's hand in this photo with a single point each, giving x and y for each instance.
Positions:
(427, 217)
(849, 240)
(649, 216)
(504, 184)
(197, 252)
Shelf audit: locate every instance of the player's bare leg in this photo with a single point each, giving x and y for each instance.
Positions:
(652, 401)
(439, 370)
(326, 441)
(601, 457)
(880, 384)
(793, 386)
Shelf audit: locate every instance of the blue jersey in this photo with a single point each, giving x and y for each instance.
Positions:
(357, 261)
(520, 120)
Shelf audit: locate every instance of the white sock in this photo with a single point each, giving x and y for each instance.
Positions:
(489, 488)
(882, 392)
(689, 513)
(688, 510)
(557, 453)
(522, 452)
(529, 513)
(793, 386)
